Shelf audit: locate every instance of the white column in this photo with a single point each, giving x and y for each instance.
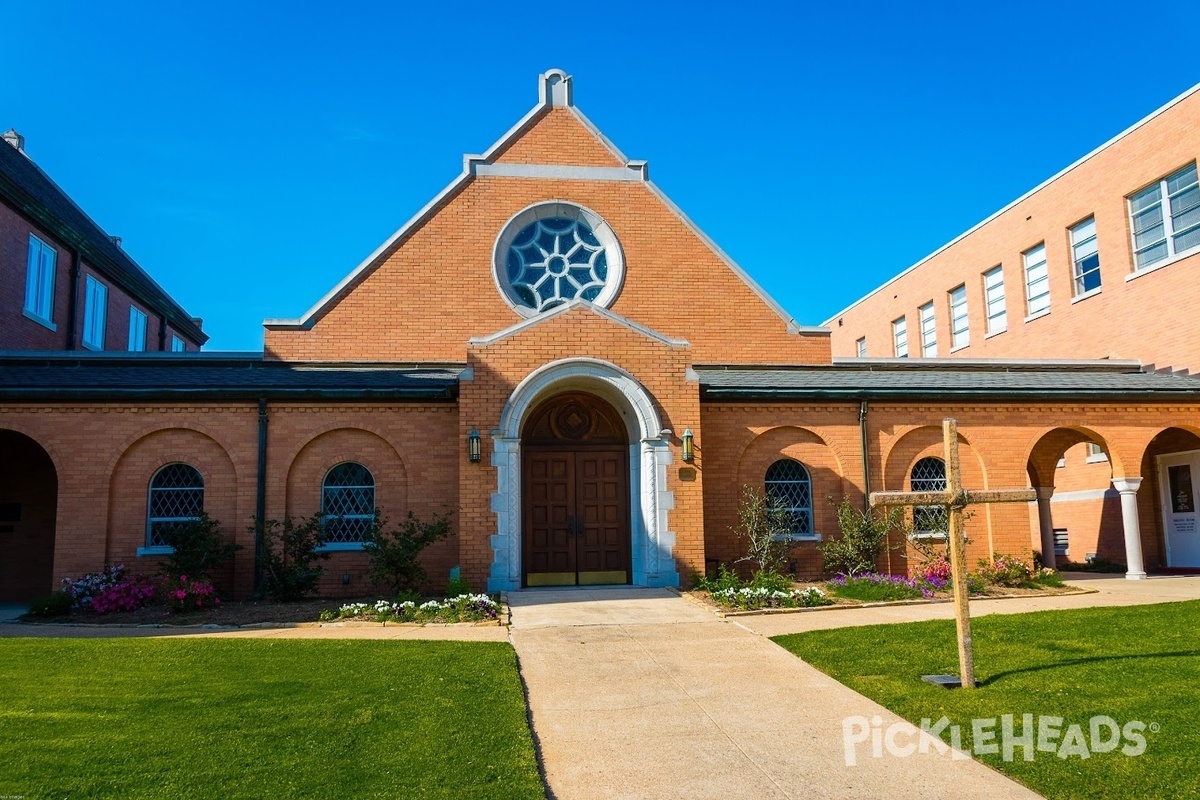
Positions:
(1046, 523)
(1133, 532)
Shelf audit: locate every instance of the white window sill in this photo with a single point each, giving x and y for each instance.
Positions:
(1096, 459)
(40, 320)
(1038, 315)
(996, 333)
(1137, 273)
(799, 537)
(156, 550)
(1089, 293)
(340, 547)
(929, 536)
(90, 346)
(960, 347)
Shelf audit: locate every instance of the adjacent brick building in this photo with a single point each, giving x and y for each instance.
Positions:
(554, 353)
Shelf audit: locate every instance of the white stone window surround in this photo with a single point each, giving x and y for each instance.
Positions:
(548, 209)
(649, 456)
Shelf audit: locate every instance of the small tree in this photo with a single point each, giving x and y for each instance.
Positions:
(199, 548)
(766, 528)
(393, 553)
(290, 553)
(864, 536)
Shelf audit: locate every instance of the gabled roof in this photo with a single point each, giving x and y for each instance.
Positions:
(947, 380)
(31, 191)
(600, 311)
(554, 91)
(184, 377)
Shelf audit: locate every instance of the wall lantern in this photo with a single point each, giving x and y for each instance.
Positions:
(689, 451)
(473, 443)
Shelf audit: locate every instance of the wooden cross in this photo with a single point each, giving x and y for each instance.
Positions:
(955, 499)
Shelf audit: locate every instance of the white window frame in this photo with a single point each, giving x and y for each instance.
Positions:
(960, 320)
(928, 317)
(1065, 550)
(993, 300)
(40, 275)
(900, 337)
(95, 313)
(1168, 221)
(860, 347)
(1037, 288)
(138, 321)
(1084, 246)
(178, 345)
(1095, 453)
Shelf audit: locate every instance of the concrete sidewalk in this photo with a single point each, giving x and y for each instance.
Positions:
(638, 693)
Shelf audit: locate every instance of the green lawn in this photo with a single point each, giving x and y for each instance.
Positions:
(1131, 664)
(216, 718)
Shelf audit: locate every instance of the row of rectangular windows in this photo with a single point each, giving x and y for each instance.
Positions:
(1164, 223)
(39, 302)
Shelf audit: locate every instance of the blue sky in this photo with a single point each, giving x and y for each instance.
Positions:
(251, 154)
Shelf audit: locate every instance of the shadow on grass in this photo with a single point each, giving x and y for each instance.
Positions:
(1075, 662)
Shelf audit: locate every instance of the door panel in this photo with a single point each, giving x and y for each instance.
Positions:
(1179, 482)
(577, 516)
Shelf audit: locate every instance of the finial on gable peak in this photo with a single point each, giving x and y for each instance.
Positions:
(554, 88)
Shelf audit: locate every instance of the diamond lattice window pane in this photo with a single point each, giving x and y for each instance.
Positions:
(176, 497)
(789, 488)
(929, 475)
(348, 502)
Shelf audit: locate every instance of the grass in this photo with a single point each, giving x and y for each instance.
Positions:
(875, 588)
(1140, 663)
(259, 718)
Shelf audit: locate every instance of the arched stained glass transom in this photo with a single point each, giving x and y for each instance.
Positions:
(929, 475)
(176, 497)
(348, 503)
(789, 488)
(553, 253)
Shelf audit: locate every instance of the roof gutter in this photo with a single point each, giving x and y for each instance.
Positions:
(52, 395)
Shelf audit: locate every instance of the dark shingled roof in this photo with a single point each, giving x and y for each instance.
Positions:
(948, 379)
(31, 192)
(176, 377)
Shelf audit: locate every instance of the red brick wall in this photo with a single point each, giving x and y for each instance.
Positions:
(1109, 324)
(17, 331)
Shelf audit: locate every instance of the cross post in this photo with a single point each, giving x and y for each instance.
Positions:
(956, 499)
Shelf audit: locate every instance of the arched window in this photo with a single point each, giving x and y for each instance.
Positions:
(348, 502)
(789, 488)
(176, 497)
(929, 475)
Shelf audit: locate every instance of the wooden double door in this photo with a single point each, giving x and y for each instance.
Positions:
(576, 508)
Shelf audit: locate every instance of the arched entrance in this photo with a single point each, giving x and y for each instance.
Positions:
(576, 516)
(28, 505)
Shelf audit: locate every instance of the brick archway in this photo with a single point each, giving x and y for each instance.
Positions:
(28, 507)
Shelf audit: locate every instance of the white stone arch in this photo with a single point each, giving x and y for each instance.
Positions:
(649, 457)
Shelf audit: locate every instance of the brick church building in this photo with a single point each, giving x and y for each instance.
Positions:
(554, 352)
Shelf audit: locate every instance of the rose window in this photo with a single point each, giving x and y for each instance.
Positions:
(554, 253)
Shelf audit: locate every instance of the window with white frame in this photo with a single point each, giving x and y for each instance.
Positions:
(176, 498)
(929, 475)
(137, 330)
(1095, 453)
(860, 347)
(1037, 281)
(900, 337)
(789, 489)
(1085, 256)
(1163, 230)
(1061, 542)
(960, 326)
(95, 314)
(348, 503)
(39, 281)
(928, 331)
(993, 295)
(177, 344)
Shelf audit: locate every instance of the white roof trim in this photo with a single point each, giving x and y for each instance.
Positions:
(633, 171)
(1022, 198)
(513, 330)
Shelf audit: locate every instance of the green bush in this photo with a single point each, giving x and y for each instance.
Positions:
(457, 585)
(766, 528)
(55, 604)
(1004, 570)
(199, 548)
(290, 571)
(1046, 577)
(875, 588)
(726, 579)
(864, 535)
(393, 553)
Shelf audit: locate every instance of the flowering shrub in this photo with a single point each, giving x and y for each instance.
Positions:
(463, 608)
(751, 599)
(873, 587)
(182, 594)
(936, 569)
(86, 587)
(1005, 571)
(126, 596)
